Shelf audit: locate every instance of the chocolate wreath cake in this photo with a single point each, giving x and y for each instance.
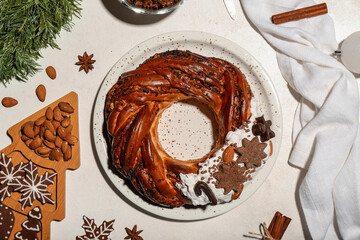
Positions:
(132, 111)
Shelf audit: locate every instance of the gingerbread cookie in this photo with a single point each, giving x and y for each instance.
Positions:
(92, 231)
(31, 226)
(6, 221)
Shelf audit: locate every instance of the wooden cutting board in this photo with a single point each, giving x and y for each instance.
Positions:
(35, 184)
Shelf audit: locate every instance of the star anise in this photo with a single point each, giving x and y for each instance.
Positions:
(251, 153)
(133, 234)
(85, 62)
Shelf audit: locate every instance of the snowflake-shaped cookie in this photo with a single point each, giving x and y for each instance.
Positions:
(93, 232)
(8, 174)
(33, 186)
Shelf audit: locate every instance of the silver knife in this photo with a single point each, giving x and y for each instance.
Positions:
(230, 6)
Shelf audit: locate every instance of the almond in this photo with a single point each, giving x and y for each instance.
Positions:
(51, 72)
(72, 140)
(35, 143)
(24, 137)
(56, 124)
(41, 92)
(57, 114)
(9, 102)
(66, 122)
(65, 115)
(43, 150)
(28, 130)
(228, 154)
(68, 154)
(64, 146)
(36, 130)
(62, 133)
(49, 114)
(66, 107)
(42, 131)
(31, 123)
(40, 120)
(69, 129)
(48, 125)
(28, 142)
(48, 135)
(237, 194)
(55, 154)
(58, 141)
(49, 144)
(66, 150)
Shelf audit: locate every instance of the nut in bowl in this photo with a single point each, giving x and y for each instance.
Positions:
(151, 7)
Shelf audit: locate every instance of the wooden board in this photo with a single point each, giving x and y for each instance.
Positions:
(19, 152)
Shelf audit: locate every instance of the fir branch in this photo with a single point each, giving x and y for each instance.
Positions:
(27, 26)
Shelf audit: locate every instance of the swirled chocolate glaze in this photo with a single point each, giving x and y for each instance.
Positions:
(135, 103)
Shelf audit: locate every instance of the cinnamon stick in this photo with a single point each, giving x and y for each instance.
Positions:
(278, 225)
(301, 13)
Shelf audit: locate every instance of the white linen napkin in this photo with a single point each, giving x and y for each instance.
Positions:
(325, 134)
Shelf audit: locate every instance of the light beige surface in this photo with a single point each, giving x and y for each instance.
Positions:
(109, 30)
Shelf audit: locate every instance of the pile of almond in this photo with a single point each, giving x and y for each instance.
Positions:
(50, 135)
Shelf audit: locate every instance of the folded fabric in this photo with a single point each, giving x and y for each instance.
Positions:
(325, 134)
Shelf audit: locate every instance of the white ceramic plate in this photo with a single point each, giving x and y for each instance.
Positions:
(207, 45)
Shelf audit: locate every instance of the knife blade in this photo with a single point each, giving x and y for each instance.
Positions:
(230, 6)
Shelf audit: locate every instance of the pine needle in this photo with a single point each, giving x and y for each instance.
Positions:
(27, 26)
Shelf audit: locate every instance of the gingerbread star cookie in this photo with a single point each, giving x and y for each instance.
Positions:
(230, 176)
(251, 153)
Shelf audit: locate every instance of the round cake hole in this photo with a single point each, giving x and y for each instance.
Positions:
(187, 130)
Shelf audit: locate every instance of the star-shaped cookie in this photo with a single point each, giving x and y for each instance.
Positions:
(251, 153)
(230, 176)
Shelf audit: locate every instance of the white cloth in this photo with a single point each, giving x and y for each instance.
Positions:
(327, 119)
